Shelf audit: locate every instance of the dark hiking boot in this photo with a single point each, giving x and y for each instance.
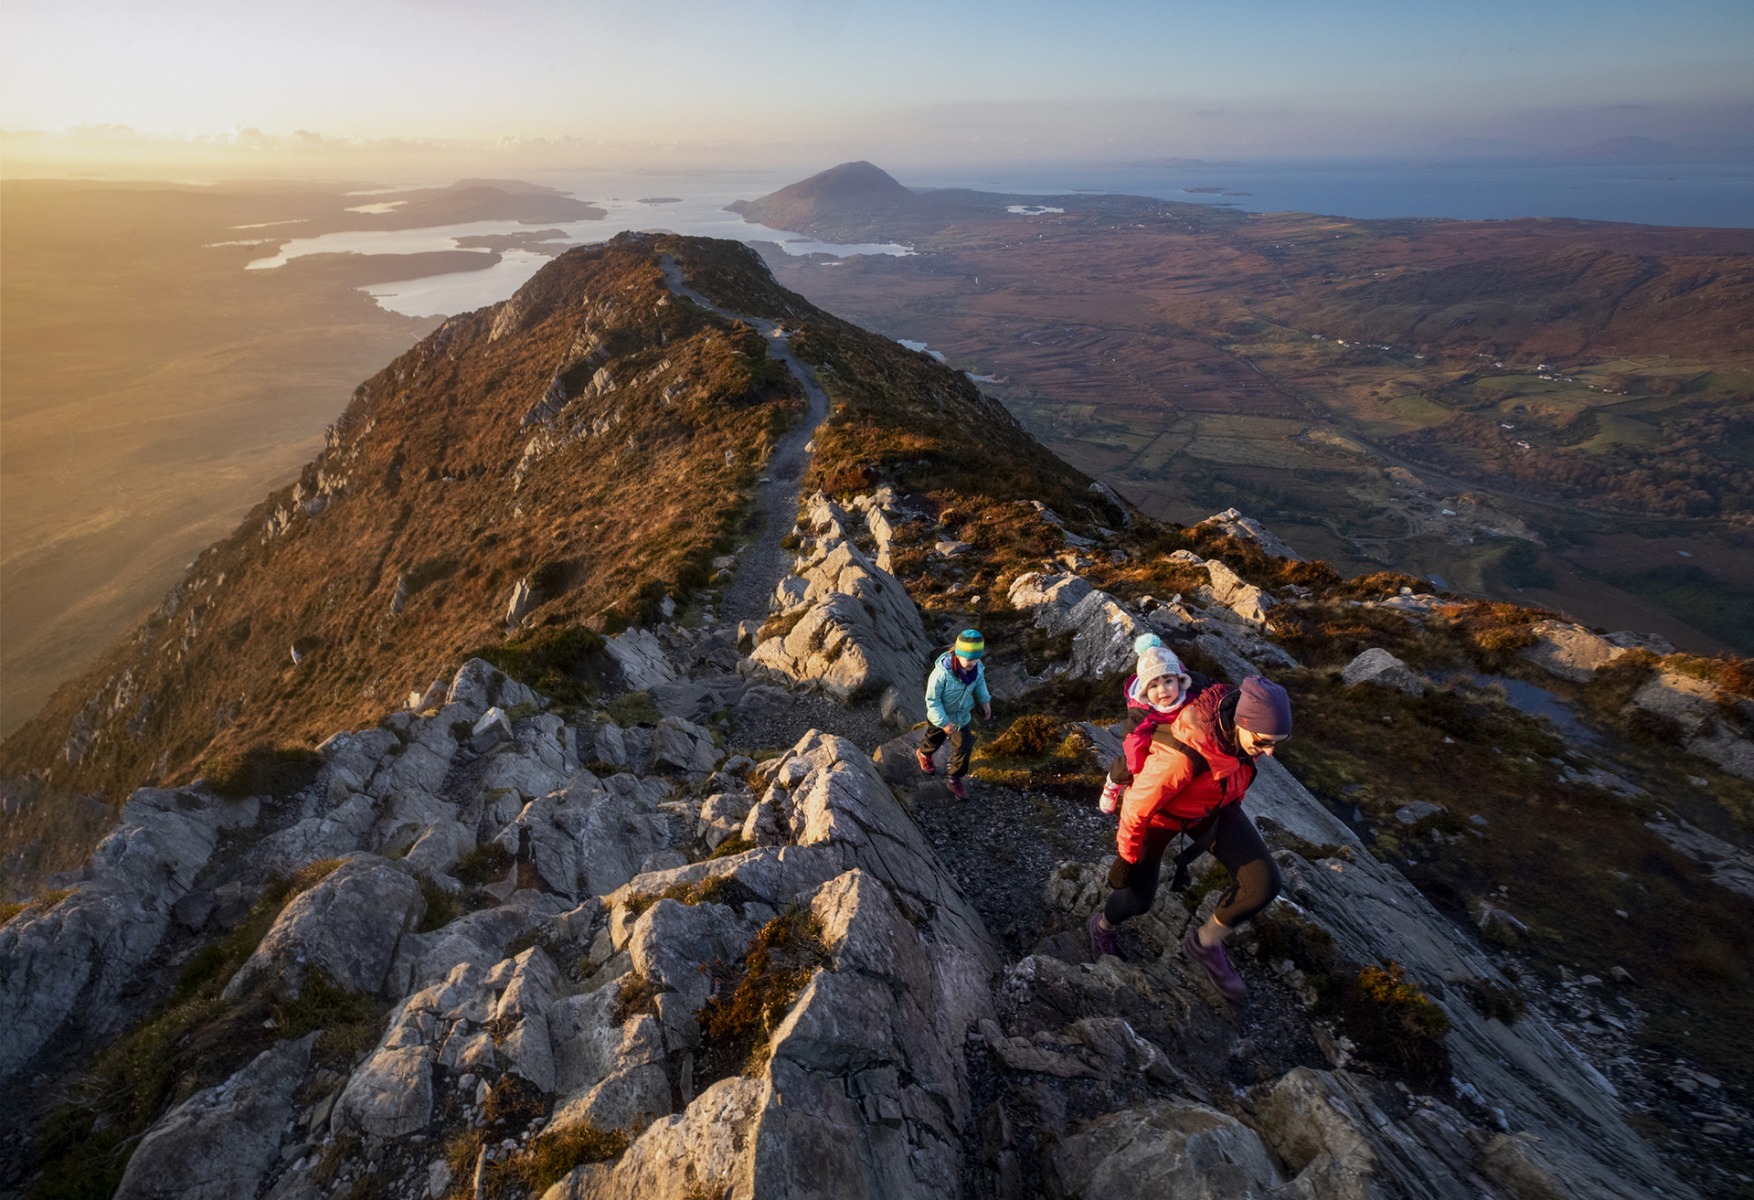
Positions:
(1211, 959)
(956, 788)
(925, 761)
(1102, 941)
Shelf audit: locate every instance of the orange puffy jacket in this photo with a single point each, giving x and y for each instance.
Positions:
(1175, 789)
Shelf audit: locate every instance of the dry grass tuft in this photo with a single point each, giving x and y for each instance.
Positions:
(754, 996)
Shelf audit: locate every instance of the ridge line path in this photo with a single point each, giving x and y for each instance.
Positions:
(1002, 848)
(765, 562)
(760, 569)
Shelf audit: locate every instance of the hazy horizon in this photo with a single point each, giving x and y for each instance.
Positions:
(101, 89)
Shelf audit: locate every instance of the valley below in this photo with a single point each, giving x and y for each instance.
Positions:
(1555, 412)
(154, 387)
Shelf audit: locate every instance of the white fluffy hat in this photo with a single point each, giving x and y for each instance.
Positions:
(1156, 659)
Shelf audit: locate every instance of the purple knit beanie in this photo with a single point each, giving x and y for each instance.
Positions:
(1264, 708)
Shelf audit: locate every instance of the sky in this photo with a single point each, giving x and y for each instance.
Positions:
(85, 83)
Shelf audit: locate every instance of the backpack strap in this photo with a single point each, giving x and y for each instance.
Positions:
(1198, 760)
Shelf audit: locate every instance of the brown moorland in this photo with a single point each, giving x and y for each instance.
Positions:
(1494, 402)
(592, 436)
(152, 384)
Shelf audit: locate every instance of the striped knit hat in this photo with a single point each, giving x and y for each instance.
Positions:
(970, 644)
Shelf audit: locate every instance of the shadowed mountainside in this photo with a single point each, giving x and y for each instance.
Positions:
(566, 459)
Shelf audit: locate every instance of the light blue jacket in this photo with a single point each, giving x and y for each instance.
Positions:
(949, 701)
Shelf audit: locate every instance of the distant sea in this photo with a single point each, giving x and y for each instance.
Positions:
(1702, 194)
(1669, 194)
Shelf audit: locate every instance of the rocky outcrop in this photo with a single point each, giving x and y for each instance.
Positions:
(1166, 1149)
(1328, 1128)
(557, 948)
(347, 927)
(1691, 704)
(1727, 865)
(1232, 522)
(1537, 1080)
(1570, 651)
(1348, 1135)
(1237, 594)
(848, 626)
(220, 1143)
(72, 961)
(642, 660)
(1378, 667)
(863, 1090)
(1102, 629)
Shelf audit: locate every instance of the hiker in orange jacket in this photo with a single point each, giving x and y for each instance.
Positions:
(1195, 775)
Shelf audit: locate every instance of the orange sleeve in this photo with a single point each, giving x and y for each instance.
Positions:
(1167, 771)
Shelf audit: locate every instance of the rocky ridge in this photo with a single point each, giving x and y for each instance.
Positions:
(587, 989)
(499, 946)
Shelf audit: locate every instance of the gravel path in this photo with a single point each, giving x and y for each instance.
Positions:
(765, 562)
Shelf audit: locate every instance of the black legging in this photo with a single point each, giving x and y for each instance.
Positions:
(1234, 841)
(961, 747)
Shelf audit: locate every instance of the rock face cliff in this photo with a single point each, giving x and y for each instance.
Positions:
(704, 930)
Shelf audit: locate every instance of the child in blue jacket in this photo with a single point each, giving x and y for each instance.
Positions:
(958, 682)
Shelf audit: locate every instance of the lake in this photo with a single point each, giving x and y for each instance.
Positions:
(1700, 195)
(691, 204)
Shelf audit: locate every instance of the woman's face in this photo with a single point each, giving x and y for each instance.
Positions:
(966, 664)
(1254, 744)
(1163, 690)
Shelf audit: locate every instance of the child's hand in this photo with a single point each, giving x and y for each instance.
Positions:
(987, 711)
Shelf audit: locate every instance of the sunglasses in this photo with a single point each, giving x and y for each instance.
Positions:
(1267, 743)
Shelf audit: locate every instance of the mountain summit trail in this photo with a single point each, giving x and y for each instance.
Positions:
(762, 566)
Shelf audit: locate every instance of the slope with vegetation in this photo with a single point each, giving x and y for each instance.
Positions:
(576, 945)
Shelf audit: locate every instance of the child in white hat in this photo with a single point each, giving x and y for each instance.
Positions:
(1156, 691)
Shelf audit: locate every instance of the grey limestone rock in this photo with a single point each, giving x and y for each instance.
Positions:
(1331, 1128)
(703, 1149)
(1381, 668)
(1235, 593)
(1727, 865)
(642, 660)
(1102, 629)
(518, 604)
(683, 746)
(1168, 1150)
(479, 685)
(1236, 525)
(493, 727)
(220, 1143)
(1570, 651)
(391, 1094)
(75, 959)
(348, 927)
(857, 632)
(1691, 704)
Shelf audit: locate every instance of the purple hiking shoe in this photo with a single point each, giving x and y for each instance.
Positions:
(956, 788)
(1102, 941)
(1212, 960)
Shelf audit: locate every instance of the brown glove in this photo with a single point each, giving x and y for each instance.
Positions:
(1118, 872)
